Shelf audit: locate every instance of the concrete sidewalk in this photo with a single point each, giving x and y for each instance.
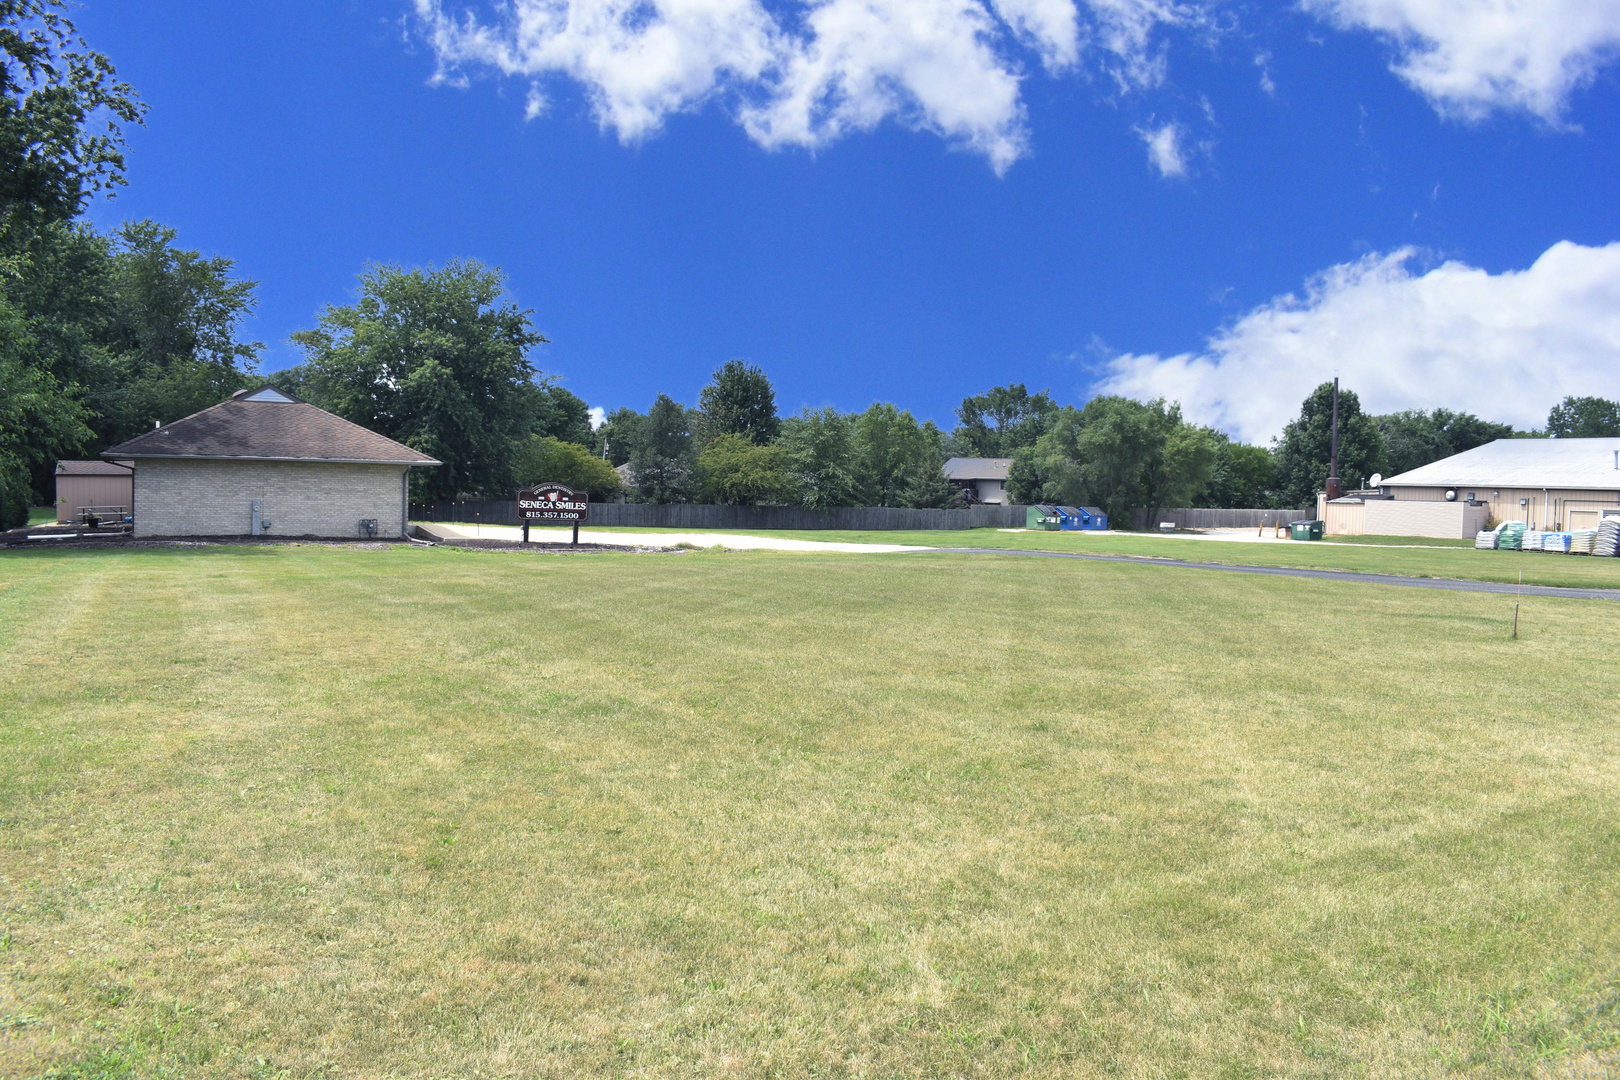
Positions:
(734, 541)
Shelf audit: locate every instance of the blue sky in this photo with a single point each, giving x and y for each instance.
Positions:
(913, 200)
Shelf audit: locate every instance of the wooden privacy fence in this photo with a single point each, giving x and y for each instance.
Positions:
(701, 516)
(1194, 518)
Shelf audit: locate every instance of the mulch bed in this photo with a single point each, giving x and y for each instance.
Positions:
(17, 539)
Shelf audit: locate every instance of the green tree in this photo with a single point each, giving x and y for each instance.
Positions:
(662, 460)
(1301, 453)
(437, 360)
(1584, 418)
(303, 381)
(61, 142)
(1003, 419)
(929, 489)
(61, 111)
(617, 435)
(1243, 477)
(543, 459)
(888, 447)
(1464, 431)
(1411, 438)
(1414, 438)
(1114, 447)
(1180, 469)
(1117, 454)
(40, 420)
(739, 400)
(733, 471)
(61, 288)
(169, 336)
(147, 331)
(821, 449)
(563, 415)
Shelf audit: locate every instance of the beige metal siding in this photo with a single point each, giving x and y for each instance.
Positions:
(1453, 520)
(1343, 519)
(1542, 509)
(215, 498)
(74, 491)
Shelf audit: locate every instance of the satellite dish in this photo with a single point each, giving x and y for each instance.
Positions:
(1451, 495)
(1377, 479)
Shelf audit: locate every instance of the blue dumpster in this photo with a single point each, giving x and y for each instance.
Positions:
(1081, 517)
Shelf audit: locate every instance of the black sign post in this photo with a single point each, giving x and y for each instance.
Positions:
(553, 504)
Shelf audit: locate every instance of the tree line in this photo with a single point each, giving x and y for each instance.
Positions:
(105, 333)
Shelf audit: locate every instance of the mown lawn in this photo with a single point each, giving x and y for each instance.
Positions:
(1397, 541)
(1539, 568)
(303, 811)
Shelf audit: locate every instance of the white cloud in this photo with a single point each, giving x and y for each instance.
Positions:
(1506, 347)
(806, 72)
(1473, 57)
(926, 61)
(535, 104)
(1164, 149)
(1124, 29)
(1051, 26)
(639, 61)
(1267, 85)
(598, 416)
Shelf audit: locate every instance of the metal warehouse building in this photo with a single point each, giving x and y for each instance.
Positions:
(266, 463)
(1545, 483)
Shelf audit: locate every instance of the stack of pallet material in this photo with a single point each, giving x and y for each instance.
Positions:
(1556, 541)
(1607, 541)
(1486, 541)
(1510, 535)
(1533, 539)
(1580, 541)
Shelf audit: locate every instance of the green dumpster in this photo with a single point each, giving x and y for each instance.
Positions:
(1306, 530)
(1045, 518)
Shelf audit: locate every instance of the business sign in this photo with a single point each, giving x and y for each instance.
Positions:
(555, 503)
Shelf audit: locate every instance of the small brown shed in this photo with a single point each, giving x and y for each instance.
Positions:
(106, 485)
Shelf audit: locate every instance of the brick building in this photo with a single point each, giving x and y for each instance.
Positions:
(265, 463)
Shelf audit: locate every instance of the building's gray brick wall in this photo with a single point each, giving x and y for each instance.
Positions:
(215, 498)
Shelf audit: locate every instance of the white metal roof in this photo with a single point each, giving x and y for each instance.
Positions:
(1583, 464)
(978, 468)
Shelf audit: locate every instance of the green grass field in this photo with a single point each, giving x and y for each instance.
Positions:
(305, 811)
(1398, 541)
(1539, 568)
(41, 515)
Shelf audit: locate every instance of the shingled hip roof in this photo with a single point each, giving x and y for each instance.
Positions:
(268, 424)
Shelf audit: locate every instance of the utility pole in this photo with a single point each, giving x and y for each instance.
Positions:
(1334, 487)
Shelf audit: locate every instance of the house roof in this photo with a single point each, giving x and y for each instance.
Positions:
(978, 468)
(94, 468)
(268, 424)
(1581, 464)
